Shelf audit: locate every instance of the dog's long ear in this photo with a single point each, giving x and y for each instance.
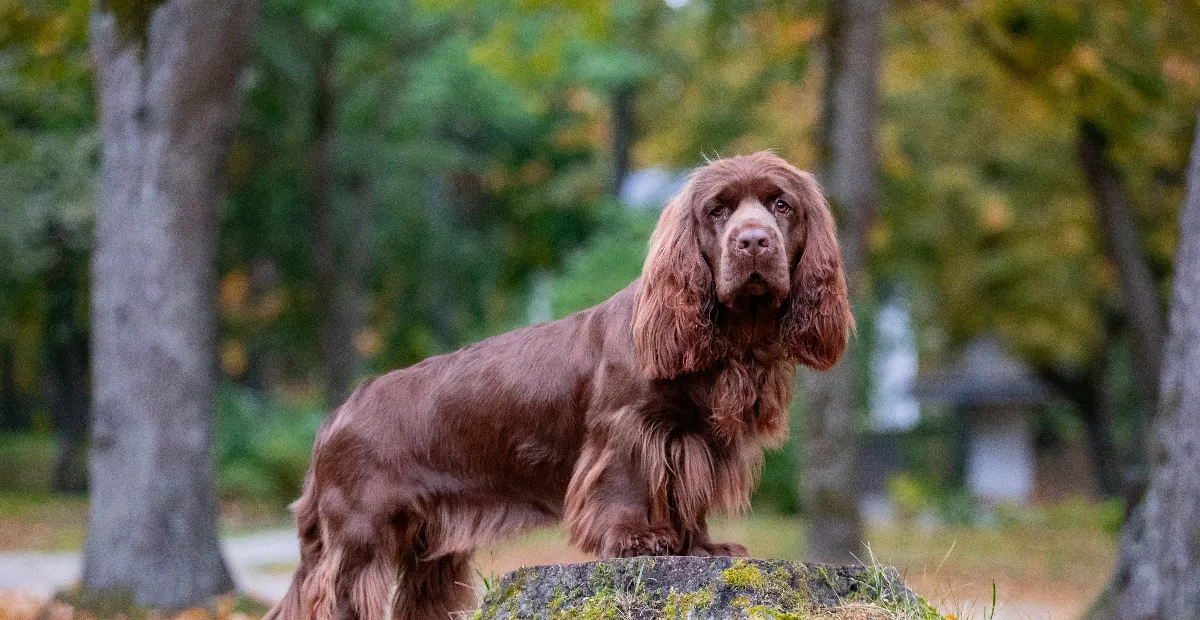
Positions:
(817, 324)
(672, 322)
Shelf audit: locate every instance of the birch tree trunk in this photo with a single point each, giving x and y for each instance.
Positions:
(167, 84)
(848, 167)
(1157, 575)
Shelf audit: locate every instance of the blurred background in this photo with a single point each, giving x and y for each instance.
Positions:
(407, 177)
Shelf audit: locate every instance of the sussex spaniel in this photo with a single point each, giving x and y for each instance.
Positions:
(630, 421)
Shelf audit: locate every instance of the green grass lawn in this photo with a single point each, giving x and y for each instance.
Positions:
(40, 521)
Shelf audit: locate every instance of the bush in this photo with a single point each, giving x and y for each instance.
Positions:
(263, 444)
(27, 461)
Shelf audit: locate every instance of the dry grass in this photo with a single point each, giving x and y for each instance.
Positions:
(1058, 558)
(41, 522)
(16, 606)
(48, 522)
(1059, 564)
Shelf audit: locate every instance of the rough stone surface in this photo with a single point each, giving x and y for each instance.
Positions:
(701, 588)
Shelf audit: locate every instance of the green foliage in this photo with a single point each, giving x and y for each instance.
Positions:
(262, 445)
(983, 195)
(133, 19)
(48, 151)
(474, 179)
(26, 462)
(607, 264)
(477, 135)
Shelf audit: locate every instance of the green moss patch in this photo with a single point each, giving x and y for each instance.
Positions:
(684, 588)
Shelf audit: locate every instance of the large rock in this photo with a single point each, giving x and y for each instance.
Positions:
(702, 588)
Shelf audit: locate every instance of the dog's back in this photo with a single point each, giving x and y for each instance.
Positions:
(424, 464)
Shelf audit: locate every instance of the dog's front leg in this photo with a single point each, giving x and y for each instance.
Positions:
(609, 508)
(699, 543)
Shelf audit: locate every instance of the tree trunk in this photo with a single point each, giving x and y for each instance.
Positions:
(847, 148)
(263, 366)
(66, 361)
(12, 414)
(622, 134)
(338, 306)
(167, 85)
(1097, 424)
(1089, 394)
(1159, 554)
(1125, 253)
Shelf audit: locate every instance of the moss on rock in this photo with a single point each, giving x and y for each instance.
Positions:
(679, 588)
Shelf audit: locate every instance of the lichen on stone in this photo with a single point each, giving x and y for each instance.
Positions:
(682, 588)
(681, 604)
(742, 575)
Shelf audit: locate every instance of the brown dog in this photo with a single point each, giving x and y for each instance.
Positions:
(631, 420)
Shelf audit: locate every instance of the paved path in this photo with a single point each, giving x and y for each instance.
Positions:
(259, 562)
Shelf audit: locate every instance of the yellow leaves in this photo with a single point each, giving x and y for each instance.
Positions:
(234, 289)
(800, 32)
(535, 172)
(503, 53)
(240, 307)
(52, 36)
(579, 136)
(1181, 70)
(879, 236)
(954, 178)
(782, 37)
(995, 215)
(368, 343)
(233, 358)
(1085, 59)
(236, 303)
(893, 160)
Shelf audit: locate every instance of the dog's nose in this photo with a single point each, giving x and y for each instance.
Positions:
(753, 241)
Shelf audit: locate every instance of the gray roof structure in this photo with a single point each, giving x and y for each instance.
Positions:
(986, 375)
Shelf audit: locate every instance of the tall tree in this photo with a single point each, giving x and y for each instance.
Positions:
(1159, 557)
(338, 290)
(168, 101)
(848, 167)
(1124, 250)
(67, 359)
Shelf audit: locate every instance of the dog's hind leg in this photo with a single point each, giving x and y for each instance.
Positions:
(365, 586)
(434, 589)
(297, 604)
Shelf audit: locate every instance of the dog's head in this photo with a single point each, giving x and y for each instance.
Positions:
(745, 230)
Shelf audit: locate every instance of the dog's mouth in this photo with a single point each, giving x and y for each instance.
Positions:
(758, 292)
(763, 281)
(755, 286)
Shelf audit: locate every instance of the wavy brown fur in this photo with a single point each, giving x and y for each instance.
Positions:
(631, 421)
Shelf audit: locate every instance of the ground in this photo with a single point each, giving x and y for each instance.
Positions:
(1046, 562)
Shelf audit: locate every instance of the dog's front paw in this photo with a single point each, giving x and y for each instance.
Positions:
(730, 549)
(655, 541)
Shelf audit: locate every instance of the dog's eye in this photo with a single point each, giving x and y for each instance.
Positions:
(718, 212)
(781, 206)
